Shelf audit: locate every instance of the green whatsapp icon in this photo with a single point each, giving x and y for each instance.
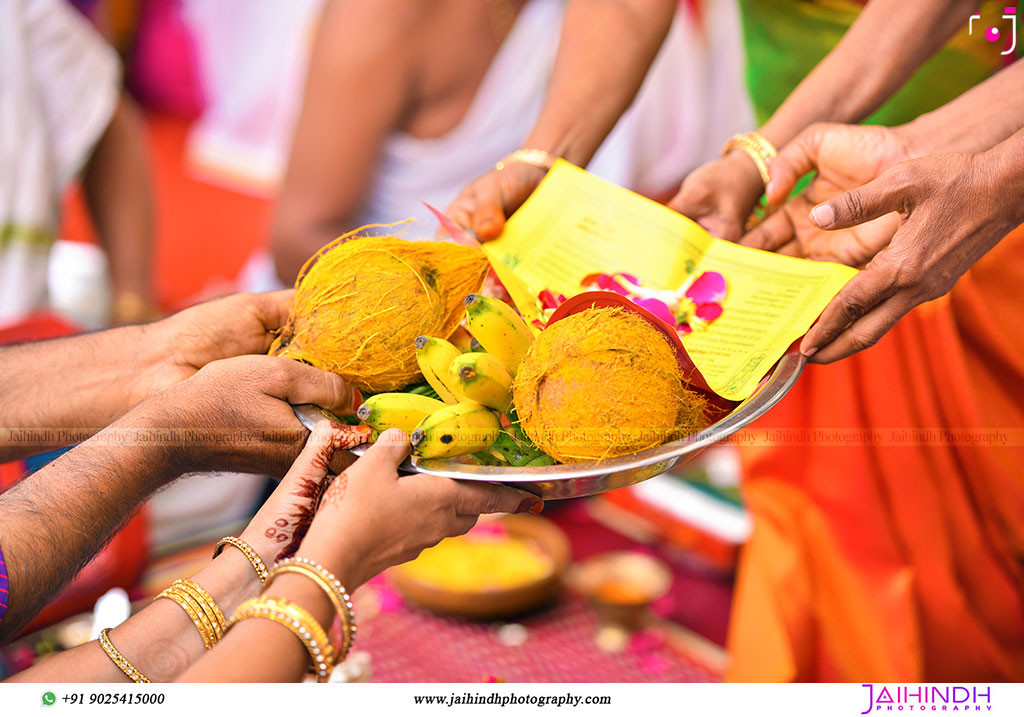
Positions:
(49, 698)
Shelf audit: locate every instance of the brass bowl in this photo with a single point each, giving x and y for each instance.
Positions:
(502, 602)
(621, 585)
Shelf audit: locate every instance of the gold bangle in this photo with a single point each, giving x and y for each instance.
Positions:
(303, 625)
(194, 613)
(534, 157)
(118, 659)
(207, 603)
(336, 593)
(248, 551)
(755, 146)
(200, 607)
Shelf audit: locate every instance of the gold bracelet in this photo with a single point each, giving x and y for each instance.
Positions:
(194, 613)
(200, 607)
(248, 551)
(755, 146)
(535, 157)
(209, 606)
(118, 659)
(303, 625)
(336, 593)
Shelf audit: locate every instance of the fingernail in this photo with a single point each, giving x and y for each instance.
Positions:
(538, 506)
(357, 398)
(809, 352)
(823, 215)
(769, 188)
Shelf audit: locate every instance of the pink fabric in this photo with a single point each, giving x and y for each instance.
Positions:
(408, 645)
(164, 72)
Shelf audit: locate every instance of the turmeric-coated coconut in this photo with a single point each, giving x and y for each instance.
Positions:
(362, 300)
(603, 383)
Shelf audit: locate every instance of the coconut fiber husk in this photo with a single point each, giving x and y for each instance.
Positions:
(362, 300)
(603, 383)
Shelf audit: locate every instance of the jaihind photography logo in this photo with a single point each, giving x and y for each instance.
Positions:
(927, 698)
(993, 33)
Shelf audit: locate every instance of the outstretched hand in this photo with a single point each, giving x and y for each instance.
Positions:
(371, 518)
(951, 214)
(234, 325)
(484, 204)
(845, 157)
(236, 414)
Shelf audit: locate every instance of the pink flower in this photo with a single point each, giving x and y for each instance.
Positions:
(692, 306)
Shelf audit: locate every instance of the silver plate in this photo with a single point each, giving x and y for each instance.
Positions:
(580, 479)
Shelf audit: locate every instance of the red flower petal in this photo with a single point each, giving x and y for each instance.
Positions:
(709, 288)
(547, 299)
(658, 308)
(708, 312)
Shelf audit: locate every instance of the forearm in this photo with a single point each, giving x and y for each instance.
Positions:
(607, 46)
(879, 53)
(258, 650)
(120, 198)
(161, 641)
(975, 121)
(56, 520)
(1004, 166)
(60, 392)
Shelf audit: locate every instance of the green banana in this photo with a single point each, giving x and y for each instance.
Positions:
(397, 410)
(456, 430)
(434, 356)
(482, 378)
(499, 329)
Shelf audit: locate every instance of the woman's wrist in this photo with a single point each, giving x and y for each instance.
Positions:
(337, 551)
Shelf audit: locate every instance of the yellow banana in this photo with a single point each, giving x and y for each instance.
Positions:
(462, 339)
(482, 378)
(397, 410)
(456, 430)
(434, 356)
(499, 329)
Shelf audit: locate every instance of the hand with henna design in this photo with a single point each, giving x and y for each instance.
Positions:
(371, 518)
(276, 531)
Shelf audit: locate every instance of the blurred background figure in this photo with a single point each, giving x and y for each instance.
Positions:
(63, 115)
(407, 101)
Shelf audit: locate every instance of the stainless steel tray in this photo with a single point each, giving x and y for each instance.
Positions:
(580, 479)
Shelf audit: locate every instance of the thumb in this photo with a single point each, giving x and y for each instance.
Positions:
(793, 161)
(392, 447)
(887, 193)
(297, 383)
(488, 219)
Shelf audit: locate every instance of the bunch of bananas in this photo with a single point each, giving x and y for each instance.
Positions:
(473, 382)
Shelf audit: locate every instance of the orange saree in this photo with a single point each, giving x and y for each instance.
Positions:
(888, 501)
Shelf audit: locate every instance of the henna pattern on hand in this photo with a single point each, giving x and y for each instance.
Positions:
(309, 492)
(335, 493)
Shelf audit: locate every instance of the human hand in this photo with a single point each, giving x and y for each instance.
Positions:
(720, 195)
(277, 529)
(953, 211)
(222, 328)
(371, 518)
(845, 156)
(235, 414)
(484, 204)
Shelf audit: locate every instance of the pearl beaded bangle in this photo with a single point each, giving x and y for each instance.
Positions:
(303, 625)
(330, 584)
